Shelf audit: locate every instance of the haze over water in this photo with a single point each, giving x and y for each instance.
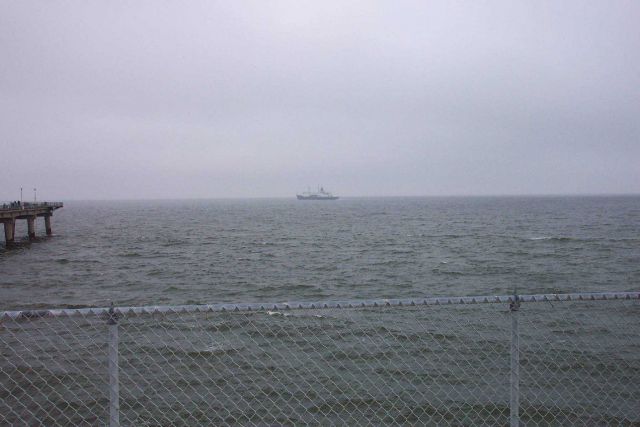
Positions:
(275, 250)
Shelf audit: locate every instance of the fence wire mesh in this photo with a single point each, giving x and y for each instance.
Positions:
(371, 364)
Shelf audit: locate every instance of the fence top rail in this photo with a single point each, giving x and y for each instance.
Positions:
(239, 307)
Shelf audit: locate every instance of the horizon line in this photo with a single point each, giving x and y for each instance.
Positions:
(533, 195)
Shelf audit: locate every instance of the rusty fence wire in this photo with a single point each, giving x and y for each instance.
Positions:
(570, 359)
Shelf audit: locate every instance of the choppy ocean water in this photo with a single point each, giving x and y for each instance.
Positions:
(206, 251)
(422, 365)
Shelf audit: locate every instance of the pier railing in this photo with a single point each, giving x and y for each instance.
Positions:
(551, 359)
(29, 205)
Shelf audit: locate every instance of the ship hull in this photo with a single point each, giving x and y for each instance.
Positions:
(300, 197)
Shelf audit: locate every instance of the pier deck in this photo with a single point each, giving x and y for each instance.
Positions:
(11, 212)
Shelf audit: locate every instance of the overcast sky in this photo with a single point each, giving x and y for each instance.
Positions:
(169, 99)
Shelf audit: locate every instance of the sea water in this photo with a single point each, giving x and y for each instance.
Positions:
(208, 251)
(411, 365)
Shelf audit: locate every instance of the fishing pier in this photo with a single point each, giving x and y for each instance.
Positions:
(11, 212)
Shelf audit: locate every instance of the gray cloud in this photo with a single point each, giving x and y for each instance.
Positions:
(207, 99)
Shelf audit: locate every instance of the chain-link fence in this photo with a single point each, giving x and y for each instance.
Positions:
(533, 360)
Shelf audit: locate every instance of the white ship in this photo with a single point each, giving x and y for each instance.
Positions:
(319, 195)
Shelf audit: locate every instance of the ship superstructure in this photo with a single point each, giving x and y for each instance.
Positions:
(321, 194)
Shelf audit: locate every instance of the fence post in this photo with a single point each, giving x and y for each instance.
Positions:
(514, 407)
(114, 386)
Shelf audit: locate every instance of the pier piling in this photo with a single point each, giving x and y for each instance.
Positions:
(9, 232)
(31, 225)
(47, 224)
